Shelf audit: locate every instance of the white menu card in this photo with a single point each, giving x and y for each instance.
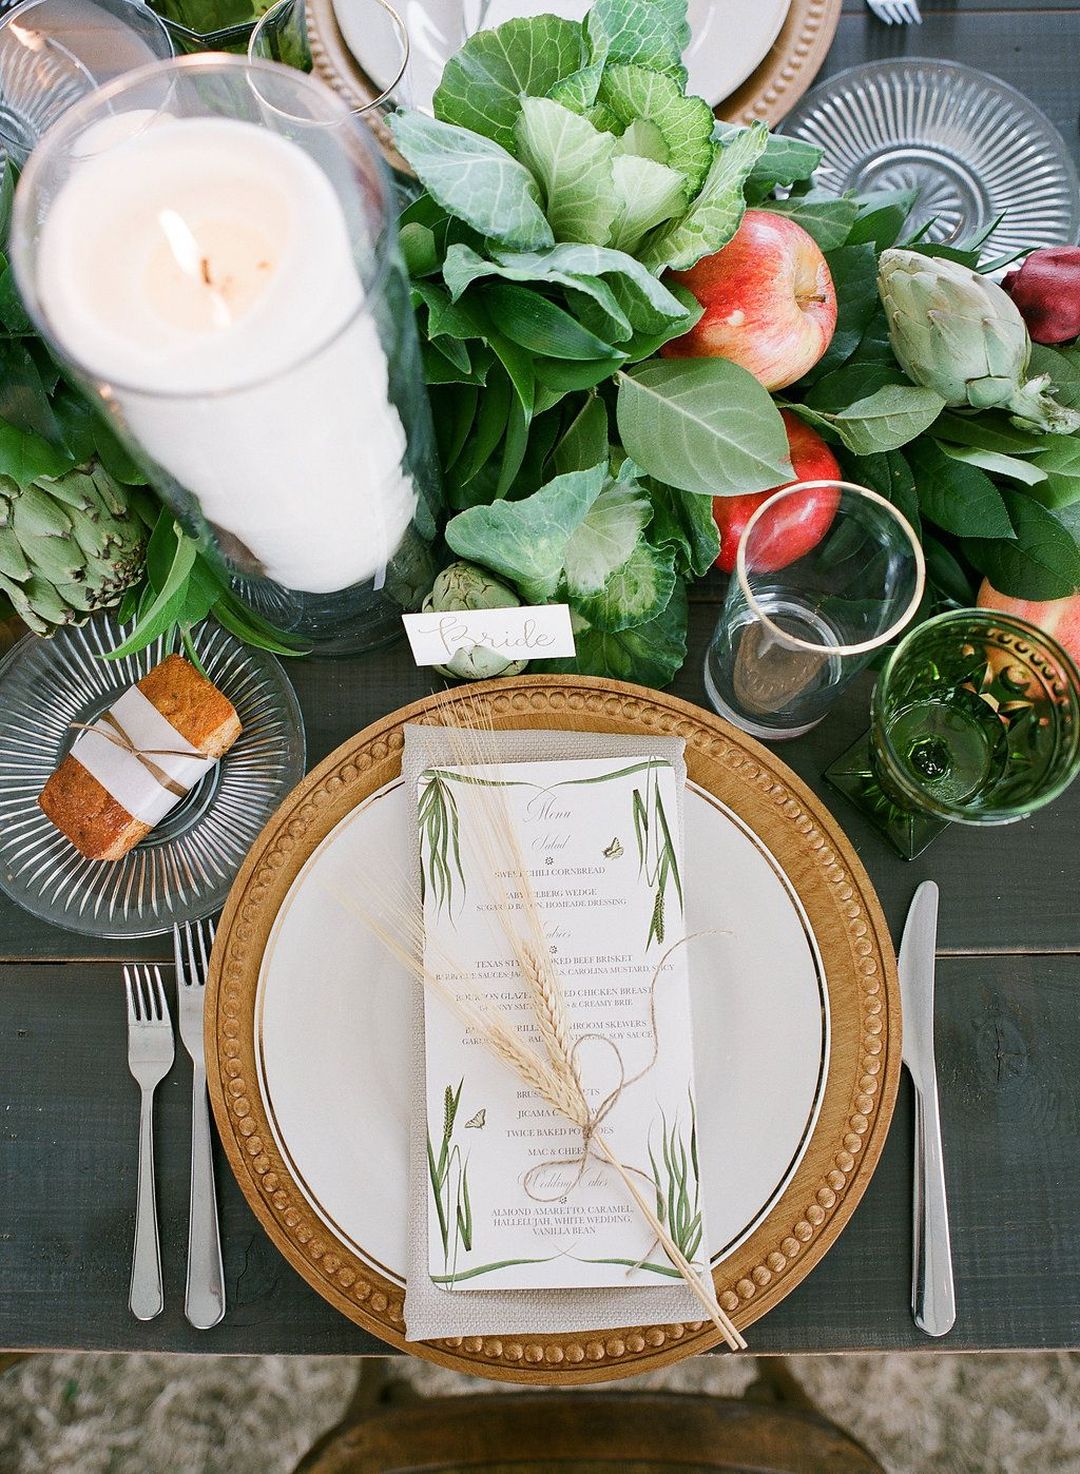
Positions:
(514, 1201)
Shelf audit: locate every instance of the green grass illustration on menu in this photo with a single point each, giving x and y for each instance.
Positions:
(677, 1182)
(448, 1177)
(656, 853)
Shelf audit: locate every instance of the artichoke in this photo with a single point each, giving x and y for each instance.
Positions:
(466, 586)
(959, 334)
(67, 546)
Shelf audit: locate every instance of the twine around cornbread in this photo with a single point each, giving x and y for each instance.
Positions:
(115, 733)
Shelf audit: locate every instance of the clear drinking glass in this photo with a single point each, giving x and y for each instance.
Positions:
(975, 719)
(826, 573)
(211, 245)
(52, 52)
(281, 34)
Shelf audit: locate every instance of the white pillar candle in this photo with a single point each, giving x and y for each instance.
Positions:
(202, 269)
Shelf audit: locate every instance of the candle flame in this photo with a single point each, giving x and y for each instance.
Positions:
(192, 262)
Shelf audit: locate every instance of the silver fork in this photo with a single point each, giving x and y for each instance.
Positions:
(896, 12)
(204, 1294)
(150, 1057)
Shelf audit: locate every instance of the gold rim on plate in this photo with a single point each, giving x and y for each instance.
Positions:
(864, 1051)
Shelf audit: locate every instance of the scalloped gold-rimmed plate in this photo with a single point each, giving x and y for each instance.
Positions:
(302, 1066)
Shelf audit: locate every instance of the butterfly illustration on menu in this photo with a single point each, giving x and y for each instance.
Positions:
(614, 850)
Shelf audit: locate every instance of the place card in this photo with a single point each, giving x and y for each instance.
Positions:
(514, 1200)
(541, 632)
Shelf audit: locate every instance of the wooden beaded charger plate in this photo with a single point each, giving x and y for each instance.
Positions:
(796, 1019)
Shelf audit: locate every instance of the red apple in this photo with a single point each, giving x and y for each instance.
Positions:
(806, 525)
(1046, 289)
(769, 301)
(1058, 617)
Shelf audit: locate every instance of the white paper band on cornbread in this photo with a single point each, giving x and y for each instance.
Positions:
(139, 758)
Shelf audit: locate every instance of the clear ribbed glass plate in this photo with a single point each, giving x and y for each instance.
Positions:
(972, 146)
(183, 869)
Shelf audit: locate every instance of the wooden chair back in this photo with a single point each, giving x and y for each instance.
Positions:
(586, 1433)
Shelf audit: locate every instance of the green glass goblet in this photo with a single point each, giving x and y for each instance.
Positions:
(975, 719)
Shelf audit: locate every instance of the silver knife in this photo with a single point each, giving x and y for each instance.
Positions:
(933, 1298)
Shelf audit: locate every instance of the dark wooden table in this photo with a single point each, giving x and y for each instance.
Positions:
(1008, 1016)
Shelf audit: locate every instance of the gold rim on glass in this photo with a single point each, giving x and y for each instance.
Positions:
(819, 648)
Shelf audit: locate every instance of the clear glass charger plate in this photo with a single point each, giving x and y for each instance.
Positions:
(184, 868)
(972, 146)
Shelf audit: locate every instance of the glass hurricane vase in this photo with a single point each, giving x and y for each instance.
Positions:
(210, 244)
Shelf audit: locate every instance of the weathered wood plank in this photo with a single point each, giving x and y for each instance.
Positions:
(1007, 1035)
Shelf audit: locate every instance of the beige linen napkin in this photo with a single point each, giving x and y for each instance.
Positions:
(430, 1310)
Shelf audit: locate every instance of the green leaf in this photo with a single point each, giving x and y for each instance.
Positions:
(490, 426)
(881, 227)
(585, 441)
(1042, 562)
(649, 653)
(25, 456)
(885, 420)
(988, 431)
(114, 455)
(607, 537)
(645, 302)
(572, 163)
(685, 124)
(77, 423)
(947, 574)
(684, 521)
(526, 541)
(959, 498)
(250, 627)
(889, 473)
(634, 593)
(13, 315)
(1063, 366)
(519, 368)
(167, 603)
(785, 161)
(825, 217)
(536, 323)
(850, 383)
(419, 250)
(1060, 464)
(1011, 467)
(475, 179)
(645, 33)
(648, 194)
(578, 91)
(7, 194)
(714, 216)
(703, 425)
(566, 377)
(482, 85)
(854, 273)
(24, 397)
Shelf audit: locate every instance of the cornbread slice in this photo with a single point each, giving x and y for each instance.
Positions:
(98, 826)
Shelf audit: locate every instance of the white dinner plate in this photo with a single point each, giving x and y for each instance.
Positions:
(332, 1023)
(729, 38)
